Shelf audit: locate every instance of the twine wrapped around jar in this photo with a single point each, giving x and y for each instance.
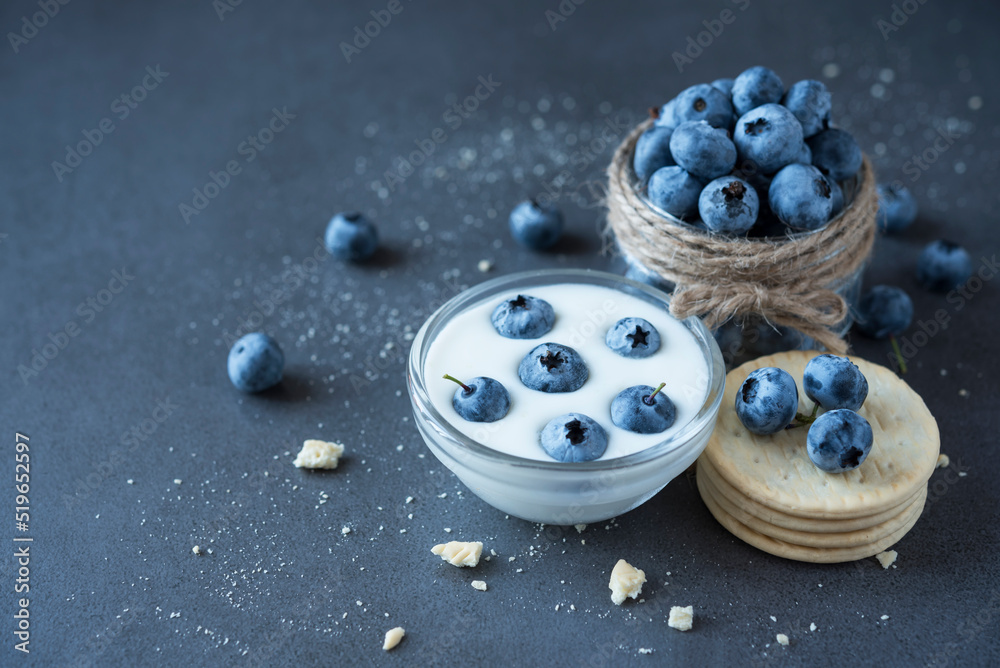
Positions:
(785, 280)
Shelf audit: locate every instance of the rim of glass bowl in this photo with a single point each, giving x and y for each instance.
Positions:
(544, 277)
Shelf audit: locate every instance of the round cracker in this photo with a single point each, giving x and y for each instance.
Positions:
(793, 522)
(819, 539)
(816, 555)
(776, 472)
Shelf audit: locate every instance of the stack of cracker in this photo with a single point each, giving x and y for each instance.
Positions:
(767, 492)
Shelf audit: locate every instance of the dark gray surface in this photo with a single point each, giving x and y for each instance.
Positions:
(112, 560)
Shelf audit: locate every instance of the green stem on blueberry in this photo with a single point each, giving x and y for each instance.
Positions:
(465, 387)
(649, 401)
(802, 420)
(899, 353)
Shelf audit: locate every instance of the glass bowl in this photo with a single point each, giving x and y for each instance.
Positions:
(553, 492)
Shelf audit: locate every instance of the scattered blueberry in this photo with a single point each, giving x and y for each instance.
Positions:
(754, 87)
(767, 401)
(725, 85)
(652, 151)
(836, 153)
(481, 399)
(633, 337)
(675, 191)
(769, 137)
(700, 102)
(523, 317)
(809, 101)
(729, 205)
(536, 226)
(643, 409)
(255, 362)
(801, 197)
(835, 382)
(574, 437)
(884, 311)
(703, 151)
(839, 441)
(552, 367)
(943, 266)
(351, 236)
(897, 208)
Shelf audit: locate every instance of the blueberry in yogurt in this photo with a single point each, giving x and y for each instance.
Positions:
(523, 317)
(481, 399)
(553, 367)
(633, 337)
(835, 382)
(839, 441)
(574, 437)
(643, 409)
(767, 401)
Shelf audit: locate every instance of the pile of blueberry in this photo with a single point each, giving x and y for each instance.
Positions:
(554, 367)
(746, 156)
(839, 439)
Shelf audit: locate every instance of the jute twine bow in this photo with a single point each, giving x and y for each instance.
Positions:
(789, 281)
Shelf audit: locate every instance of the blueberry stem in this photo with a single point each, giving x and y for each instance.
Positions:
(465, 387)
(899, 353)
(802, 420)
(649, 400)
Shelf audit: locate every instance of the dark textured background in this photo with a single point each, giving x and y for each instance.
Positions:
(113, 577)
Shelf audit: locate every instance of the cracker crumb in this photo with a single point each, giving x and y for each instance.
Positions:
(130, 481)
(479, 585)
(773, 618)
(884, 617)
(196, 549)
(887, 558)
(962, 474)
(812, 626)
(458, 553)
(392, 637)
(316, 454)
(580, 528)
(943, 461)
(177, 481)
(345, 531)
(645, 650)
(782, 639)
(963, 392)
(681, 618)
(447, 529)
(626, 581)
(485, 265)
(409, 499)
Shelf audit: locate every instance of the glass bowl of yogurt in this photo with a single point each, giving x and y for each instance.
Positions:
(503, 462)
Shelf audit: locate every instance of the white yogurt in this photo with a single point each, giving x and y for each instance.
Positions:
(469, 346)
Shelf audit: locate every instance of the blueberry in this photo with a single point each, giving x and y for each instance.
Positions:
(697, 103)
(884, 311)
(809, 102)
(836, 153)
(804, 155)
(574, 437)
(481, 399)
(523, 317)
(703, 151)
(552, 367)
(801, 197)
(675, 191)
(729, 205)
(835, 382)
(767, 401)
(837, 198)
(724, 85)
(897, 208)
(535, 225)
(633, 337)
(754, 87)
(255, 362)
(839, 441)
(769, 137)
(643, 409)
(943, 266)
(641, 274)
(351, 236)
(652, 151)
